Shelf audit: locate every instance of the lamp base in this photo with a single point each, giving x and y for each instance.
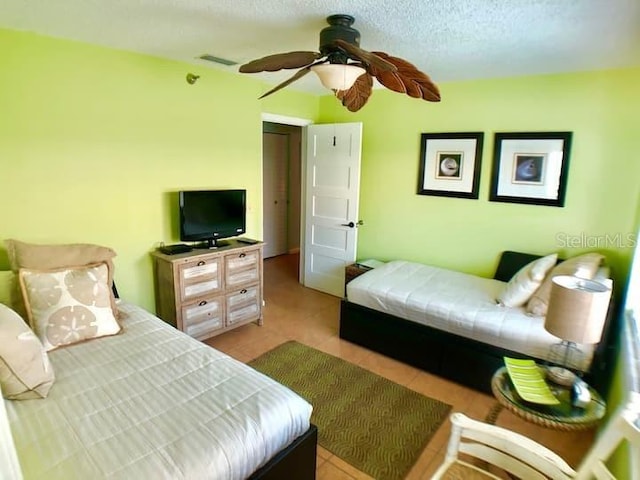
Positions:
(561, 376)
(566, 354)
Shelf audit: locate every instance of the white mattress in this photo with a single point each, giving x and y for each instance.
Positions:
(457, 303)
(153, 403)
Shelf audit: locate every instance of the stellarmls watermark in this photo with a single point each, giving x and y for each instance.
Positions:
(608, 240)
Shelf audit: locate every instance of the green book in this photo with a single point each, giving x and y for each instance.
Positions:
(529, 382)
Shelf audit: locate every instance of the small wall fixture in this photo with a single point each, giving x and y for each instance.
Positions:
(191, 78)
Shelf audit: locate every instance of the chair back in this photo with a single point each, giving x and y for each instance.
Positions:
(524, 458)
(505, 449)
(623, 427)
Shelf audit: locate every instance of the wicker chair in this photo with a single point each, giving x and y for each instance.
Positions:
(524, 458)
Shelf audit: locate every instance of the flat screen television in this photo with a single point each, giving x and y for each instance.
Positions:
(209, 215)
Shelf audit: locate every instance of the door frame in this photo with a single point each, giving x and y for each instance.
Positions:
(296, 122)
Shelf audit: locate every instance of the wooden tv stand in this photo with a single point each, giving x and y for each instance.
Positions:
(208, 292)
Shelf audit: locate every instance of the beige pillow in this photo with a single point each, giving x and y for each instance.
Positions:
(46, 257)
(69, 305)
(526, 281)
(584, 266)
(25, 371)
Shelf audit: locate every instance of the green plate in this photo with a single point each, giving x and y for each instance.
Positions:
(529, 382)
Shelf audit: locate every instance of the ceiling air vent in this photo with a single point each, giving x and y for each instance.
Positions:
(212, 58)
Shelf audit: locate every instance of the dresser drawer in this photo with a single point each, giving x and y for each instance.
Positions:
(199, 278)
(201, 318)
(242, 268)
(243, 305)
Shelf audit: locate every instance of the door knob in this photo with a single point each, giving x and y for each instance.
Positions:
(351, 224)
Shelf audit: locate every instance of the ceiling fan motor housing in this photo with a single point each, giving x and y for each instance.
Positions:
(339, 29)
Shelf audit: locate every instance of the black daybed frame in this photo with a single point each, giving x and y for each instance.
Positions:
(457, 358)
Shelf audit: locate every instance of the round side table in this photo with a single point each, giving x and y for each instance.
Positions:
(563, 416)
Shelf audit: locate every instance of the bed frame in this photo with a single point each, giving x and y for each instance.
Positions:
(469, 362)
(297, 461)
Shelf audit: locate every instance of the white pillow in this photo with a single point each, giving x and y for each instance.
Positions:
(25, 371)
(68, 305)
(526, 281)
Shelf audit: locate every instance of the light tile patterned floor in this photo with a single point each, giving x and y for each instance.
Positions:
(293, 312)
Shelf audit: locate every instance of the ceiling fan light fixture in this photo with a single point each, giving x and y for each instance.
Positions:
(337, 76)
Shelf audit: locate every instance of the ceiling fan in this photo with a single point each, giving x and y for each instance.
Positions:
(347, 69)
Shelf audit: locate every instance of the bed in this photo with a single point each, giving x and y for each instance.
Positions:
(449, 323)
(143, 400)
(152, 402)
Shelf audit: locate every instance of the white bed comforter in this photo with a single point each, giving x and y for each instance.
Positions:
(457, 303)
(153, 403)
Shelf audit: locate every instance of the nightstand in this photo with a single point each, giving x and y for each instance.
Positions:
(352, 271)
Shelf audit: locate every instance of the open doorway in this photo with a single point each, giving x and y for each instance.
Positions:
(281, 167)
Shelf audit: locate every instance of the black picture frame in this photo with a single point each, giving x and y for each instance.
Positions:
(531, 168)
(450, 164)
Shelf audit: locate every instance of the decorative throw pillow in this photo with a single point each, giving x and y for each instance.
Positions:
(68, 305)
(47, 257)
(25, 371)
(584, 266)
(522, 285)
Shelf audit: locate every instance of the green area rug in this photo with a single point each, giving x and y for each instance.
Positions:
(372, 423)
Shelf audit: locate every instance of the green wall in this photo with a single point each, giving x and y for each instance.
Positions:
(93, 141)
(601, 110)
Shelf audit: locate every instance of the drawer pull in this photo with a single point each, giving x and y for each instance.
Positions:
(201, 262)
(243, 291)
(202, 303)
(242, 255)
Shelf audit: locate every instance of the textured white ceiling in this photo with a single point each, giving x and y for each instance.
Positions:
(447, 39)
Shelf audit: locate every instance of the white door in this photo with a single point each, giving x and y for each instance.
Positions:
(331, 204)
(275, 151)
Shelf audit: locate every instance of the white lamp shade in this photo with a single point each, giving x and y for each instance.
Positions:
(337, 76)
(577, 309)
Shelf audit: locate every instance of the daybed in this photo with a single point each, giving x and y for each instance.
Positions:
(450, 324)
(147, 401)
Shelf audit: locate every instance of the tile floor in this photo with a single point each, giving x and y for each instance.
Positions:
(293, 312)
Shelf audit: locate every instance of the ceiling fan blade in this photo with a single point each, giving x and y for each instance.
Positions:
(367, 58)
(298, 75)
(407, 79)
(280, 61)
(357, 96)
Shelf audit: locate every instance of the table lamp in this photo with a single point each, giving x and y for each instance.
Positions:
(576, 315)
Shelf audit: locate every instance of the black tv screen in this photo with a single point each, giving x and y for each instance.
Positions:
(212, 214)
